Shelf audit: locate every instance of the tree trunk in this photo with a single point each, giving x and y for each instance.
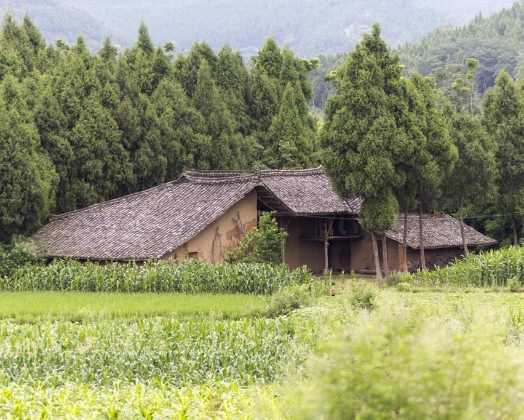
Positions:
(421, 231)
(385, 256)
(326, 249)
(405, 238)
(462, 233)
(377, 260)
(515, 239)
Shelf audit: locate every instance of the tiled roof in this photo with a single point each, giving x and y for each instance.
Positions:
(439, 232)
(308, 192)
(140, 226)
(153, 222)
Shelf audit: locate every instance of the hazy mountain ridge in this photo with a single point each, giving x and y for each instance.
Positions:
(309, 27)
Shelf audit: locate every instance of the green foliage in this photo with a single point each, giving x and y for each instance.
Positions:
(503, 116)
(494, 41)
(262, 244)
(363, 296)
(488, 269)
(404, 287)
(378, 213)
(513, 284)
(192, 276)
(147, 351)
(16, 255)
(363, 139)
(28, 177)
(80, 128)
(289, 142)
(287, 300)
(416, 357)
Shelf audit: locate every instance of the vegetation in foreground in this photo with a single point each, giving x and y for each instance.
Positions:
(405, 355)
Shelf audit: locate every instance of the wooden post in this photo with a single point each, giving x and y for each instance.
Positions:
(326, 249)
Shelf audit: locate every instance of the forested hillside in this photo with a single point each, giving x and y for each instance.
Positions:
(78, 128)
(496, 41)
(311, 27)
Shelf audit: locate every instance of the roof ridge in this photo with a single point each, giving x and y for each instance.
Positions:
(293, 172)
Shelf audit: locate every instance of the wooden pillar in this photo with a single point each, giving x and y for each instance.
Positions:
(326, 249)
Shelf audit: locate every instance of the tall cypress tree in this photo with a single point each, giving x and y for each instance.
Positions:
(288, 142)
(364, 139)
(472, 180)
(27, 176)
(504, 121)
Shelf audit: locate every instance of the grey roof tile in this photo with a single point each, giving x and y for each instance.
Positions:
(439, 232)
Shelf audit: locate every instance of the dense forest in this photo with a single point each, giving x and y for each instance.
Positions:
(309, 27)
(78, 128)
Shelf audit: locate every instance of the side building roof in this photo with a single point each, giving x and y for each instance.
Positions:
(441, 231)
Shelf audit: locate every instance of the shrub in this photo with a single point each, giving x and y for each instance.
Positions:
(363, 296)
(262, 244)
(404, 287)
(288, 299)
(18, 254)
(513, 284)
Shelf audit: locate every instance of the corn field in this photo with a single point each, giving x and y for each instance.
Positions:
(190, 277)
(489, 269)
(169, 351)
(213, 400)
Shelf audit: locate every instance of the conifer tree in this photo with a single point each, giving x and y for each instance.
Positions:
(289, 143)
(504, 121)
(364, 140)
(232, 80)
(219, 122)
(472, 180)
(27, 176)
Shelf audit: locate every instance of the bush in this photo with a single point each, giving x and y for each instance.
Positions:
(513, 284)
(262, 244)
(287, 300)
(18, 254)
(363, 296)
(404, 287)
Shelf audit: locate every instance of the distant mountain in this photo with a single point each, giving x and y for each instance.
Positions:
(497, 41)
(310, 27)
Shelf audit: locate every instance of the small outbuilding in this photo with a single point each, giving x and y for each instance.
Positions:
(203, 214)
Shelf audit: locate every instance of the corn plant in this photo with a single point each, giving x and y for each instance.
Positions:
(488, 269)
(246, 351)
(190, 277)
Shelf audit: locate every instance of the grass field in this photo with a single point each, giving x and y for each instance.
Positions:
(427, 353)
(78, 306)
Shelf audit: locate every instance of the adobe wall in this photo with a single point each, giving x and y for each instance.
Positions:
(362, 254)
(212, 245)
(362, 259)
(434, 257)
(298, 252)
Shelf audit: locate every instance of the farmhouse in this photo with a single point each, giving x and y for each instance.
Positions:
(203, 214)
